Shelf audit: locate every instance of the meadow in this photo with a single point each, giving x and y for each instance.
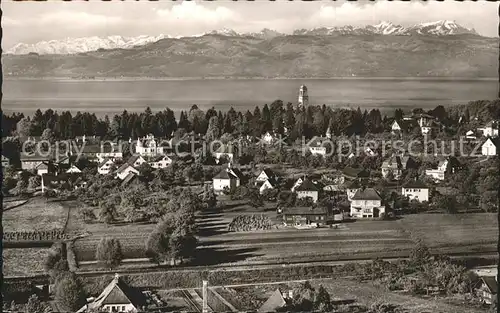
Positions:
(367, 239)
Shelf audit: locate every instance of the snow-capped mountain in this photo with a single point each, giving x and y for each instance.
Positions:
(387, 28)
(266, 33)
(441, 28)
(224, 32)
(86, 44)
(79, 45)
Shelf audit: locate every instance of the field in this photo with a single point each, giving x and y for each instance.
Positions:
(441, 230)
(361, 239)
(36, 215)
(25, 261)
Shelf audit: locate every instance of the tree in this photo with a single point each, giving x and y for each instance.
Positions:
(214, 129)
(446, 203)
(420, 254)
(34, 305)
(48, 135)
(69, 292)
(34, 182)
(107, 212)
(173, 237)
(322, 301)
(24, 127)
(20, 188)
(109, 252)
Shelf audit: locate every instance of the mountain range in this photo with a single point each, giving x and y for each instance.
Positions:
(86, 44)
(441, 48)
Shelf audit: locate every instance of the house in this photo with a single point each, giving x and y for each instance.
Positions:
(136, 160)
(227, 178)
(5, 161)
(126, 169)
(416, 190)
(328, 133)
(161, 161)
(297, 183)
(490, 146)
(488, 289)
(117, 297)
(131, 177)
(268, 138)
(369, 151)
(307, 189)
(443, 169)
(31, 161)
(43, 168)
(395, 165)
(225, 151)
(266, 174)
(427, 124)
(354, 173)
(366, 203)
(470, 135)
(148, 146)
(352, 188)
(294, 216)
(111, 151)
(59, 182)
(105, 166)
(73, 169)
(490, 129)
(317, 145)
(268, 184)
(274, 303)
(396, 127)
(90, 151)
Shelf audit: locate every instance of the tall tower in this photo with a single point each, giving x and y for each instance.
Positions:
(303, 96)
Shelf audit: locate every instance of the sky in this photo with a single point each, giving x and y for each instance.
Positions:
(31, 22)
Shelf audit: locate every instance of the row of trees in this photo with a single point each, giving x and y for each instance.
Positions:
(310, 121)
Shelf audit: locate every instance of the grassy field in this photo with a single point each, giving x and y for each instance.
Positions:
(439, 230)
(26, 261)
(370, 238)
(36, 214)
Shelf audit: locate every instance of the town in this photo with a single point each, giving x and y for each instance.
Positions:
(144, 212)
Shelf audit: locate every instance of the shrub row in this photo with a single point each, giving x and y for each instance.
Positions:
(55, 234)
(193, 279)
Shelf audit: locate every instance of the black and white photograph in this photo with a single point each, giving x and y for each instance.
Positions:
(250, 156)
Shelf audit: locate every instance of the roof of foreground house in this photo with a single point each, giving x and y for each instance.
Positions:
(118, 292)
(275, 301)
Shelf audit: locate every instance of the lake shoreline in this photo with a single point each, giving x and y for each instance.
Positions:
(354, 78)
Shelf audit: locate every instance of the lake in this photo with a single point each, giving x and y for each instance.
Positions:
(113, 96)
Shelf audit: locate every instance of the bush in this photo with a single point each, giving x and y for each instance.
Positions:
(88, 215)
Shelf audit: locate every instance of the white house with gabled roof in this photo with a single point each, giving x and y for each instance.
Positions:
(490, 147)
(105, 166)
(116, 297)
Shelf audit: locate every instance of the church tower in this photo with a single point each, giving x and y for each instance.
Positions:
(303, 96)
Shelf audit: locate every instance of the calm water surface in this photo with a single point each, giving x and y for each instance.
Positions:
(113, 96)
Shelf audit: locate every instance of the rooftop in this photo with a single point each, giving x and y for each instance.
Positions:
(366, 194)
